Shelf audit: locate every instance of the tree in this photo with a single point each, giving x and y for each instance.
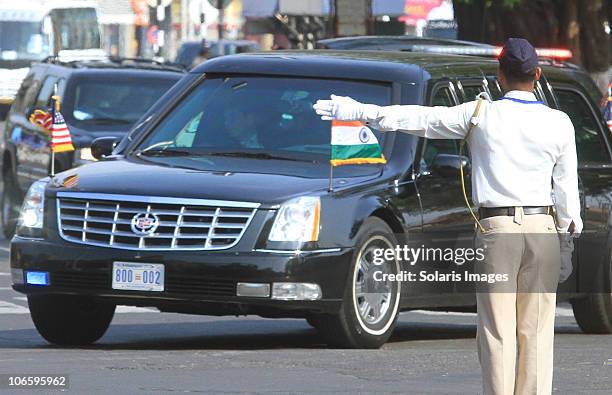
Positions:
(574, 24)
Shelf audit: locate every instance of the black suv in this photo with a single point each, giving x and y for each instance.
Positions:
(220, 203)
(99, 98)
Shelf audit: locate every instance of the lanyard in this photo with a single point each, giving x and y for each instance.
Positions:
(521, 100)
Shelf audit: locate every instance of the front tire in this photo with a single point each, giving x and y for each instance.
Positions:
(370, 308)
(594, 313)
(68, 320)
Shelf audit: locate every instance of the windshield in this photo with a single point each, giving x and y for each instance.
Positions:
(116, 101)
(256, 117)
(22, 40)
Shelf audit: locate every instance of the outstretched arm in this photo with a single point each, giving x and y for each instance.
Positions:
(430, 122)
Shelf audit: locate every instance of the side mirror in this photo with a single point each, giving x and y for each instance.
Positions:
(447, 165)
(103, 146)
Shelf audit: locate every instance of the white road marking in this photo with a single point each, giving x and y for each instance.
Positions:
(447, 313)
(11, 308)
(5, 288)
(5, 274)
(565, 312)
(133, 309)
(2, 248)
(561, 312)
(20, 298)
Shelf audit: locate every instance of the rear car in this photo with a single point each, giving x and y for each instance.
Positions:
(99, 98)
(222, 203)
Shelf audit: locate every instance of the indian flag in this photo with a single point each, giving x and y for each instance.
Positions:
(353, 143)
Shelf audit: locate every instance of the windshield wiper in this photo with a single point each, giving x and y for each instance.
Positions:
(254, 155)
(164, 152)
(107, 121)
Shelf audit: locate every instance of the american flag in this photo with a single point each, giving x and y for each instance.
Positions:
(60, 135)
(43, 119)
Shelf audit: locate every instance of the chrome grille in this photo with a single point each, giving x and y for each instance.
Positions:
(180, 224)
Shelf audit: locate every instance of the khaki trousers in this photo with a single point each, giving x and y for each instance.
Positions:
(516, 318)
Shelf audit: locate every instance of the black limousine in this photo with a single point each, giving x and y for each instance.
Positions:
(219, 202)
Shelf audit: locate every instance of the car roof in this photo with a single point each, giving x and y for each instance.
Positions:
(392, 42)
(133, 73)
(111, 63)
(215, 42)
(363, 65)
(389, 66)
(67, 72)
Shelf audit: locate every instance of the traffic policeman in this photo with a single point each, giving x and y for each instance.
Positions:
(523, 166)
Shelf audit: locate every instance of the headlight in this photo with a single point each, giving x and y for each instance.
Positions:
(85, 154)
(33, 206)
(297, 220)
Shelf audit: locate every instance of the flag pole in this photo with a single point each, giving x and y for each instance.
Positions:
(331, 177)
(331, 165)
(54, 107)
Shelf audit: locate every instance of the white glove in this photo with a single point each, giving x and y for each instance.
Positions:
(344, 108)
(566, 242)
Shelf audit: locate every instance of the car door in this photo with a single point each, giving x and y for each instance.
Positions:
(591, 253)
(446, 219)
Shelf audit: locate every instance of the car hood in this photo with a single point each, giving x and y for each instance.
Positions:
(146, 179)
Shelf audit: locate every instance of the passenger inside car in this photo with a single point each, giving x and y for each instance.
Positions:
(243, 127)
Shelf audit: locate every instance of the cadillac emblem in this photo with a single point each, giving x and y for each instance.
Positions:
(144, 224)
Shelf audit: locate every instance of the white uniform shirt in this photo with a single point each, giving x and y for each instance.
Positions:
(523, 152)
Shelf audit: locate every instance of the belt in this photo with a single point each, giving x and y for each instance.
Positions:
(486, 212)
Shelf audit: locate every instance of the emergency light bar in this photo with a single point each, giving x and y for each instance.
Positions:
(550, 53)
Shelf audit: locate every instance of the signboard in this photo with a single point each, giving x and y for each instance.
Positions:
(418, 9)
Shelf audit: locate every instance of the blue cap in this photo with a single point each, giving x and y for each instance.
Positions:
(519, 56)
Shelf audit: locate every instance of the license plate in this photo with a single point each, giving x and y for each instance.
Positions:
(138, 276)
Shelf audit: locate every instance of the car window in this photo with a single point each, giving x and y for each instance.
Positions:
(548, 92)
(471, 91)
(590, 146)
(20, 103)
(61, 86)
(30, 95)
(433, 147)
(45, 93)
(97, 102)
(442, 97)
(259, 115)
(495, 88)
(539, 93)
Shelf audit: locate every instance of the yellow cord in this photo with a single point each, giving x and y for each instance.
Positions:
(473, 123)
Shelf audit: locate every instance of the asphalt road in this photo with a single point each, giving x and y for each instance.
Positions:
(147, 352)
